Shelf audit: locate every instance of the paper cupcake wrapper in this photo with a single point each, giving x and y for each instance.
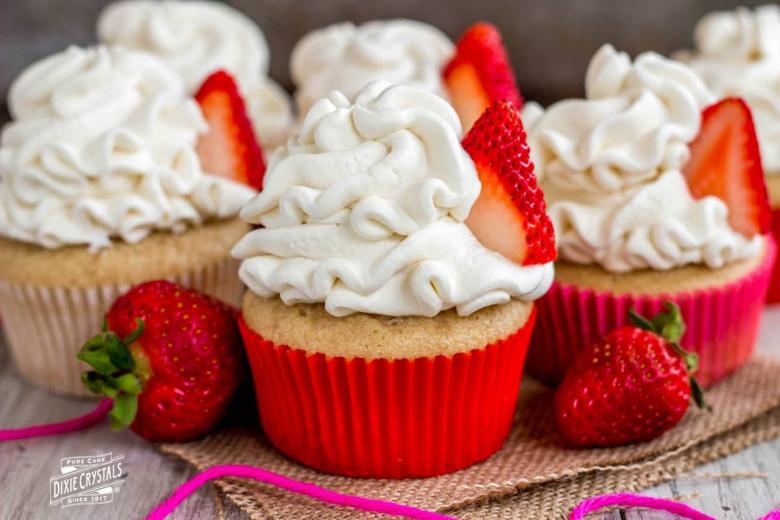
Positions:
(46, 326)
(773, 294)
(722, 323)
(387, 418)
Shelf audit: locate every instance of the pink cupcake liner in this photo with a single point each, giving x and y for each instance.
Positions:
(46, 326)
(722, 323)
(773, 294)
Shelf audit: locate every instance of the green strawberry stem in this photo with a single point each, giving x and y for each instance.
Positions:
(670, 325)
(120, 369)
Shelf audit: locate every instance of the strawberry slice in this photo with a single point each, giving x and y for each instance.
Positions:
(229, 148)
(726, 162)
(480, 74)
(510, 215)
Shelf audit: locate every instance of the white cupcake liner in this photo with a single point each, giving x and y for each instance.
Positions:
(46, 326)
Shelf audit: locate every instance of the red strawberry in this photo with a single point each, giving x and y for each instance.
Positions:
(631, 386)
(510, 214)
(726, 162)
(229, 148)
(169, 357)
(480, 74)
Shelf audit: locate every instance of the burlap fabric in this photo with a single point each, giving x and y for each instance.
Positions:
(533, 476)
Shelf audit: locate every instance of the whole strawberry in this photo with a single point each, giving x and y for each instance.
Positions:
(169, 357)
(631, 386)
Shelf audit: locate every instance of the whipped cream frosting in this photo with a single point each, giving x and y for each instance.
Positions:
(738, 54)
(346, 57)
(364, 210)
(102, 146)
(196, 38)
(610, 167)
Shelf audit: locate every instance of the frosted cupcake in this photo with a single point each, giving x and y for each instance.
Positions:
(378, 321)
(101, 188)
(738, 54)
(628, 174)
(471, 75)
(346, 58)
(196, 39)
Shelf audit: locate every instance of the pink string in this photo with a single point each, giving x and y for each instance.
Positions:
(70, 425)
(774, 515)
(631, 500)
(295, 486)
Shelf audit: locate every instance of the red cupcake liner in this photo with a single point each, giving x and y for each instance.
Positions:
(773, 294)
(722, 323)
(405, 418)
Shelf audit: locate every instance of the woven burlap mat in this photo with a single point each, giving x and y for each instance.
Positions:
(533, 476)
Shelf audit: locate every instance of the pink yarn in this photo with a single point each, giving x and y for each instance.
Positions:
(774, 515)
(70, 425)
(302, 488)
(631, 500)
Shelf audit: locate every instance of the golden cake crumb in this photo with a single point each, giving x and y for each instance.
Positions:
(309, 327)
(158, 256)
(773, 190)
(651, 282)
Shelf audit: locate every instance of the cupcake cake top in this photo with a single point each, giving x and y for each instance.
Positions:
(738, 54)
(102, 146)
(610, 166)
(197, 38)
(346, 57)
(364, 211)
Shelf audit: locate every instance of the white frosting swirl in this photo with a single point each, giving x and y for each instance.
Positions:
(346, 58)
(103, 145)
(268, 106)
(196, 38)
(738, 54)
(364, 210)
(610, 165)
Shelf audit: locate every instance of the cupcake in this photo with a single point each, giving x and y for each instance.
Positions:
(197, 38)
(656, 194)
(471, 75)
(391, 284)
(738, 54)
(346, 58)
(101, 188)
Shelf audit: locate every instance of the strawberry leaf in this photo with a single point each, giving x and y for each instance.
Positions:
(117, 351)
(129, 384)
(670, 323)
(117, 374)
(99, 360)
(641, 322)
(133, 336)
(123, 412)
(697, 393)
(93, 381)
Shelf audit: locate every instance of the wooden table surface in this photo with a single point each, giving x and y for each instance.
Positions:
(25, 466)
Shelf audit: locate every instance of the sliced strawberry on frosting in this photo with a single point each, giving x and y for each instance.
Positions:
(726, 162)
(510, 215)
(229, 148)
(480, 74)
